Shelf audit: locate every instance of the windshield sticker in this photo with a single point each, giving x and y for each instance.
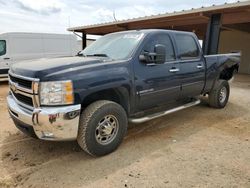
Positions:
(132, 36)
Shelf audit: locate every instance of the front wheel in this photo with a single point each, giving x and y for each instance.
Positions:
(102, 127)
(219, 95)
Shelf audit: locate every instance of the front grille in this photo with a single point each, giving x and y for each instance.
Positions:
(21, 82)
(23, 99)
(25, 90)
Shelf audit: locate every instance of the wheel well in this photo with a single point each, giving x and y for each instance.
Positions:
(118, 95)
(228, 73)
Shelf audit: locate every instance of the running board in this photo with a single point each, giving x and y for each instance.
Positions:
(160, 114)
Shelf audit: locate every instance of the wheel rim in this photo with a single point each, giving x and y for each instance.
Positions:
(106, 130)
(223, 95)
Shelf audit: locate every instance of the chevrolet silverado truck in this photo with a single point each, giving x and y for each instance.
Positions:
(132, 76)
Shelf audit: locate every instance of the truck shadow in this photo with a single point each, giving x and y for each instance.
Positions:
(27, 160)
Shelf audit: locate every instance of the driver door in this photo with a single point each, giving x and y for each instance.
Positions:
(157, 84)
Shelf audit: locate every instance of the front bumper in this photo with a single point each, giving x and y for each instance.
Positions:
(49, 123)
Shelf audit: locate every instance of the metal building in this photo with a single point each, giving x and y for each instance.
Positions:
(223, 28)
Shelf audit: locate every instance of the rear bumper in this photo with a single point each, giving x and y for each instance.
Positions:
(50, 123)
(4, 72)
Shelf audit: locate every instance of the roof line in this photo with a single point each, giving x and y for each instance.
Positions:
(175, 13)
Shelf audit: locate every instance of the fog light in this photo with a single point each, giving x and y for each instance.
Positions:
(72, 115)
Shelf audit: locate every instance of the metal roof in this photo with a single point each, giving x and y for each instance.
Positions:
(197, 16)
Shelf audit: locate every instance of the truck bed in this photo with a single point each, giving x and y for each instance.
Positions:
(216, 63)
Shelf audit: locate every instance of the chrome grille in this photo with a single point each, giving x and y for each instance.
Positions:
(24, 90)
(24, 99)
(21, 82)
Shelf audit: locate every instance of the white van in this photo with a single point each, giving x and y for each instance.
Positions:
(15, 47)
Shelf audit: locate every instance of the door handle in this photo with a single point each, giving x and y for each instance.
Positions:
(6, 58)
(199, 66)
(174, 70)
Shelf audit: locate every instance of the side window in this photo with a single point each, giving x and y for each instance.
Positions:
(2, 47)
(163, 39)
(187, 46)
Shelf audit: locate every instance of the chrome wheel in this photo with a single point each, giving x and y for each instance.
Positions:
(223, 95)
(106, 130)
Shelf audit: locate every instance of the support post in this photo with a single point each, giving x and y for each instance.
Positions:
(213, 35)
(84, 41)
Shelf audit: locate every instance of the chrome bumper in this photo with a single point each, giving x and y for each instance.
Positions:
(49, 123)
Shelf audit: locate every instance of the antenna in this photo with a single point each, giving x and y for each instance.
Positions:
(114, 16)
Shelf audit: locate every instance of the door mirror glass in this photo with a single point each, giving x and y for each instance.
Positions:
(157, 57)
(2, 47)
(160, 53)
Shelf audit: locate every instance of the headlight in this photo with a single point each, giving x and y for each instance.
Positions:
(56, 93)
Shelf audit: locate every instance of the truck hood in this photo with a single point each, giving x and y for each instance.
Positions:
(43, 68)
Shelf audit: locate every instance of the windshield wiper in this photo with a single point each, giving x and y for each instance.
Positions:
(98, 55)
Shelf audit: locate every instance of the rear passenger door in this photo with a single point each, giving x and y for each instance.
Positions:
(192, 67)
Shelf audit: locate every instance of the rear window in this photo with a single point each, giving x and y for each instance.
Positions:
(187, 46)
(2, 47)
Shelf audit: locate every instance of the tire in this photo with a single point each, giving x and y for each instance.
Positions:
(219, 95)
(97, 124)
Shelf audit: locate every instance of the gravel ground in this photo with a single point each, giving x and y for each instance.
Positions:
(196, 147)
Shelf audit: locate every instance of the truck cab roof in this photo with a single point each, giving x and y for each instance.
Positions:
(149, 31)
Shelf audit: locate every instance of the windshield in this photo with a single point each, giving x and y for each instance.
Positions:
(116, 46)
(2, 47)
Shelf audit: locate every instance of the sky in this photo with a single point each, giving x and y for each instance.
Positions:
(55, 16)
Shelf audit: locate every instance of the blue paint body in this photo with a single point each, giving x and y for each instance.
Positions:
(143, 86)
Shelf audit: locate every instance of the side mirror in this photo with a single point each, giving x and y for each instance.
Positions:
(160, 53)
(144, 58)
(157, 57)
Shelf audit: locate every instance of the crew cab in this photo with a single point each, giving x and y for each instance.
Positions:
(132, 76)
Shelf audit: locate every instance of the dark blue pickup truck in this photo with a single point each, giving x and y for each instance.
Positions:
(132, 76)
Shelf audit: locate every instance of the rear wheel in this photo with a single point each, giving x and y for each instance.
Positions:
(218, 97)
(102, 127)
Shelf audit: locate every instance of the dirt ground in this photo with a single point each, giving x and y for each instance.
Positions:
(196, 147)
